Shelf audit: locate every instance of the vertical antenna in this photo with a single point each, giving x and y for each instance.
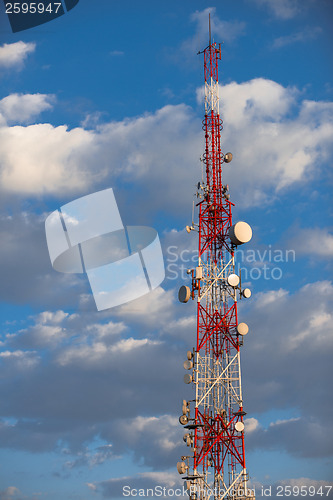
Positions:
(210, 33)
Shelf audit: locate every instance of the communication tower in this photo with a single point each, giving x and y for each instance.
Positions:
(214, 467)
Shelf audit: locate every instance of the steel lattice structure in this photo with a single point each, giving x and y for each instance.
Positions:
(215, 468)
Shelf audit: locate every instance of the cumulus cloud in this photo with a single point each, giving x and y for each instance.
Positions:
(288, 435)
(154, 441)
(92, 367)
(13, 493)
(271, 123)
(20, 360)
(153, 309)
(279, 143)
(49, 159)
(14, 54)
(222, 30)
(161, 480)
(124, 372)
(27, 274)
(92, 458)
(251, 424)
(22, 108)
(282, 9)
(316, 242)
(99, 353)
(300, 36)
(284, 346)
(9, 493)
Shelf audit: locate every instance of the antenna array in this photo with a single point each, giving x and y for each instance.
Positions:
(215, 466)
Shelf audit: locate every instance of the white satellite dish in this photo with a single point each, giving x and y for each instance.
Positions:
(181, 467)
(242, 328)
(239, 426)
(227, 157)
(189, 355)
(183, 419)
(187, 378)
(240, 233)
(246, 293)
(184, 294)
(233, 280)
(188, 365)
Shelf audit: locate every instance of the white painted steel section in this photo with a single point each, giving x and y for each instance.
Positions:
(212, 101)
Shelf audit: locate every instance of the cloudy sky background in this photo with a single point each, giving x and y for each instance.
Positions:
(110, 95)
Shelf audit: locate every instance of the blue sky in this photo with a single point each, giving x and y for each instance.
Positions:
(110, 95)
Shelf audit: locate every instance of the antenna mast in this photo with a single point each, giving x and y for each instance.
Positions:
(214, 467)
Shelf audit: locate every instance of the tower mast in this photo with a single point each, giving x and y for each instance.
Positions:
(215, 466)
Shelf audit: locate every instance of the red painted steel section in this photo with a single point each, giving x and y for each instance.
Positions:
(215, 438)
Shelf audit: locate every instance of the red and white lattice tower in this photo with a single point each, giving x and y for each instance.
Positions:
(214, 467)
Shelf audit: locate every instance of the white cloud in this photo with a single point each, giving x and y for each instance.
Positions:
(52, 317)
(222, 30)
(113, 488)
(99, 354)
(265, 124)
(301, 36)
(118, 361)
(14, 54)
(307, 313)
(153, 439)
(49, 159)
(92, 486)
(251, 424)
(154, 309)
(183, 328)
(270, 297)
(108, 330)
(22, 108)
(316, 242)
(10, 493)
(274, 148)
(282, 9)
(22, 360)
(26, 271)
(287, 357)
(92, 458)
(59, 161)
(306, 481)
(289, 435)
(284, 421)
(117, 53)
